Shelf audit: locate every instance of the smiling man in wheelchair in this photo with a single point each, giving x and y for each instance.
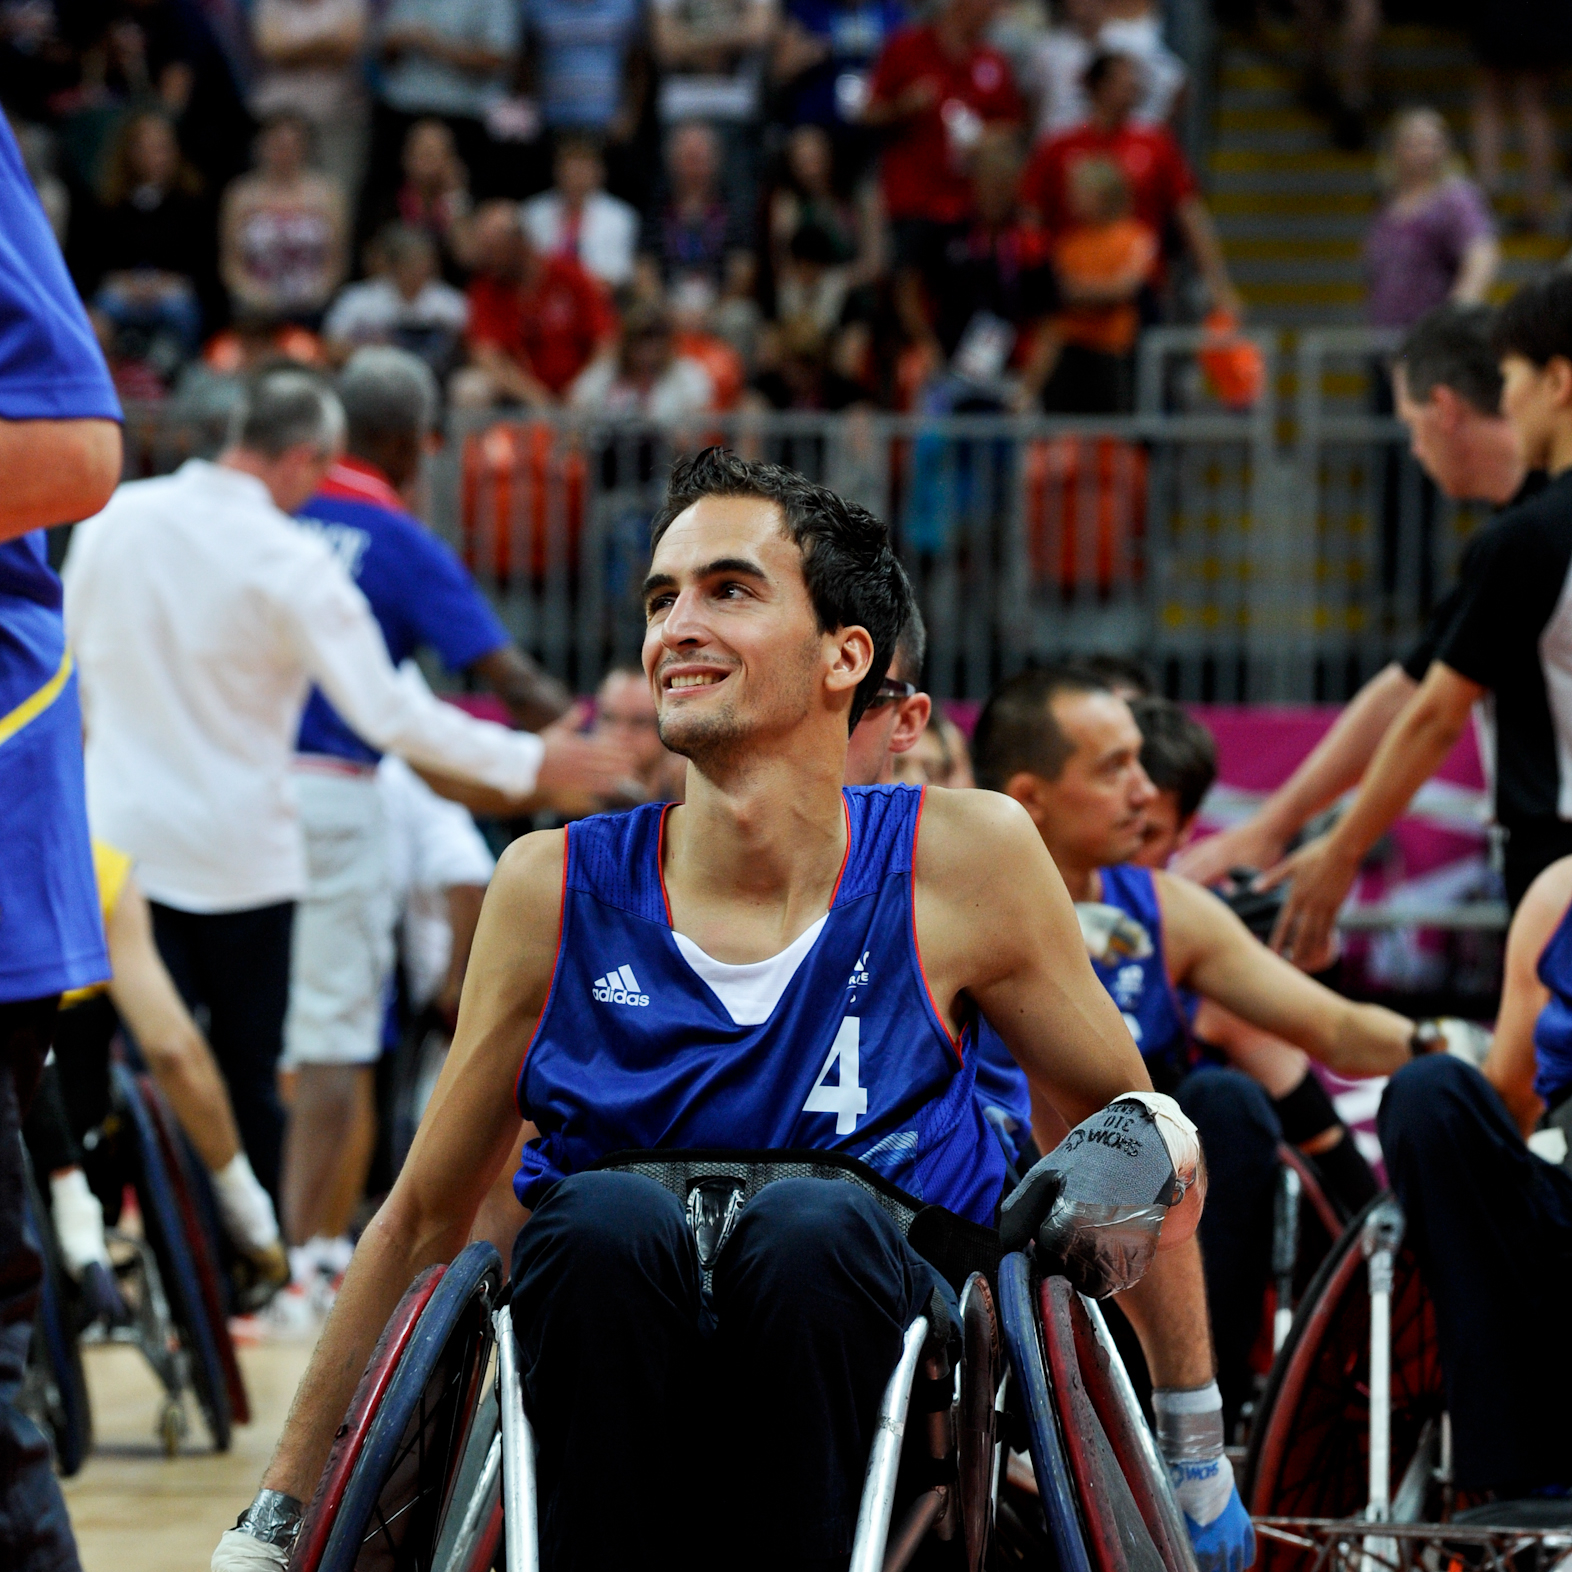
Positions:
(777, 965)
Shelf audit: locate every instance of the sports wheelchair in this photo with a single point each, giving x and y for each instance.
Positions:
(433, 1468)
(1350, 1465)
(168, 1271)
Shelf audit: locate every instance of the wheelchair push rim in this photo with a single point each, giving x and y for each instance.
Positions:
(391, 1508)
(351, 1435)
(199, 1240)
(164, 1225)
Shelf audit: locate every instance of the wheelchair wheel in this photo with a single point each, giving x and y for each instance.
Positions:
(351, 1435)
(165, 1226)
(197, 1219)
(977, 1431)
(1309, 1454)
(1120, 1533)
(390, 1512)
(54, 1386)
(1028, 1368)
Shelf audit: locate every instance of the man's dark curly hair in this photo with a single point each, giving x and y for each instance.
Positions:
(853, 576)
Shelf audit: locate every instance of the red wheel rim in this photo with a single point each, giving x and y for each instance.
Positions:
(351, 1435)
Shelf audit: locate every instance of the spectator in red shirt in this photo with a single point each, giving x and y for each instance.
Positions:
(535, 322)
(1162, 188)
(936, 88)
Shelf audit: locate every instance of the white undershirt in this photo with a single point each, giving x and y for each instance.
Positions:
(750, 991)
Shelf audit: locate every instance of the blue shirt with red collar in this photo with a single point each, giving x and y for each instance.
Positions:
(419, 591)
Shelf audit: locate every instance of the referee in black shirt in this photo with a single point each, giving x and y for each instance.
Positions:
(1507, 646)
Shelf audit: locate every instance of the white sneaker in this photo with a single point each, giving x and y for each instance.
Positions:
(291, 1315)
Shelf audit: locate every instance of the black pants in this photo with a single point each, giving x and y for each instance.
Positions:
(1239, 1134)
(736, 1425)
(236, 965)
(1491, 1225)
(1531, 847)
(35, 1533)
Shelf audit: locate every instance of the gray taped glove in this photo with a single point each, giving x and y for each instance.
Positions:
(1095, 1205)
(241, 1552)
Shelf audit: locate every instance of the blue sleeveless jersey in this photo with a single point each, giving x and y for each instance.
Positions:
(1553, 1029)
(634, 1050)
(1141, 989)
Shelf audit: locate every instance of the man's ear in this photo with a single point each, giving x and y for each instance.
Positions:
(911, 721)
(1031, 792)
(851, 658)
(1449, 408)
(1559, 372)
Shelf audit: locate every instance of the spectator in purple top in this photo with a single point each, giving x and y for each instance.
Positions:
(1434, 241)
(697, 236)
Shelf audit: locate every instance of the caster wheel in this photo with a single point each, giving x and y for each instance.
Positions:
(171, 1428)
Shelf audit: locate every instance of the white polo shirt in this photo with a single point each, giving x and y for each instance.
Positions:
(200, 615)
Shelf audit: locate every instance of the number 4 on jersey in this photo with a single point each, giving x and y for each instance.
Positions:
(847, 1100)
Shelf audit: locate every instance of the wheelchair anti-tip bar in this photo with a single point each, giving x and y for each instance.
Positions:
(884, 1460)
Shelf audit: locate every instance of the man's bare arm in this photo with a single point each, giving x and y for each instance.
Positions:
(1211, 951)
(1333, 766)
(996, 924)
(995, 921)
(1413, 749)
(534, 697)
(1509, 1066)
(56, 472)
(468, 1132)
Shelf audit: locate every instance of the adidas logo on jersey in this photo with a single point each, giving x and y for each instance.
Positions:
(619, 986)
(859, 977)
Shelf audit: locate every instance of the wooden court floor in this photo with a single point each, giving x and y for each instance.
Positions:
(134, 1510)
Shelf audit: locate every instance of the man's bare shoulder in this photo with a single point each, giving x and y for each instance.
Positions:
(529, 873)
(1194, 919)
(975, 844)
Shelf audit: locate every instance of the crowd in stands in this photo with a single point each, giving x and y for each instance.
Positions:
(789, 204)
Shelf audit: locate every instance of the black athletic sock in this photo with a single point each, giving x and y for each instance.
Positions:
(1307, 1112)
(1348, 1177)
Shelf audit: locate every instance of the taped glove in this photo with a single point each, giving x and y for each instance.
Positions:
(239, 1551)
(1190, 1438)
(1096, 1204)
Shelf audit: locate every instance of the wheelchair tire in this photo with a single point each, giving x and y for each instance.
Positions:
(55, 1380)
(1065, 1315)
(1024, 1345)
(165, 1228)
(1118, 1538)
(977, 1431)
(200, 1232)
(350, 1436)
(391, 1509)
(1309, 1454)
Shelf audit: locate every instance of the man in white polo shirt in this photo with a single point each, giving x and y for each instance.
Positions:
(200, 614)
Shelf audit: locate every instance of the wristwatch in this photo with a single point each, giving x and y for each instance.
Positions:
(1428, 1037)
(273, 1518)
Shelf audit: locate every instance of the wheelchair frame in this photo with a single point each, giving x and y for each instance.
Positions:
(1390, 1533)
(1108, 1503)
(179, 1322)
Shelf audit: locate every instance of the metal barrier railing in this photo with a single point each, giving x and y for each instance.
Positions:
(1272, 555)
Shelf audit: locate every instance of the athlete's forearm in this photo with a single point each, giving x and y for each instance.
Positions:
(1413, 749)
(1167, 1308)
(1340, 758)
(1369, 1040)
(393, 1250)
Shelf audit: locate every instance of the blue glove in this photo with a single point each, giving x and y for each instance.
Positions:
(1227, 1543)
(1190, 1438)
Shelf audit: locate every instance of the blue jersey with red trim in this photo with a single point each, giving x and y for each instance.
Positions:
(418, 590)
(834, 1045)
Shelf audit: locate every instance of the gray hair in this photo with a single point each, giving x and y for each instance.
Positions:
(288, 407)
(387, 392)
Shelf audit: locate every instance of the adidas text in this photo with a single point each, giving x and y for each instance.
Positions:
(619, 986)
